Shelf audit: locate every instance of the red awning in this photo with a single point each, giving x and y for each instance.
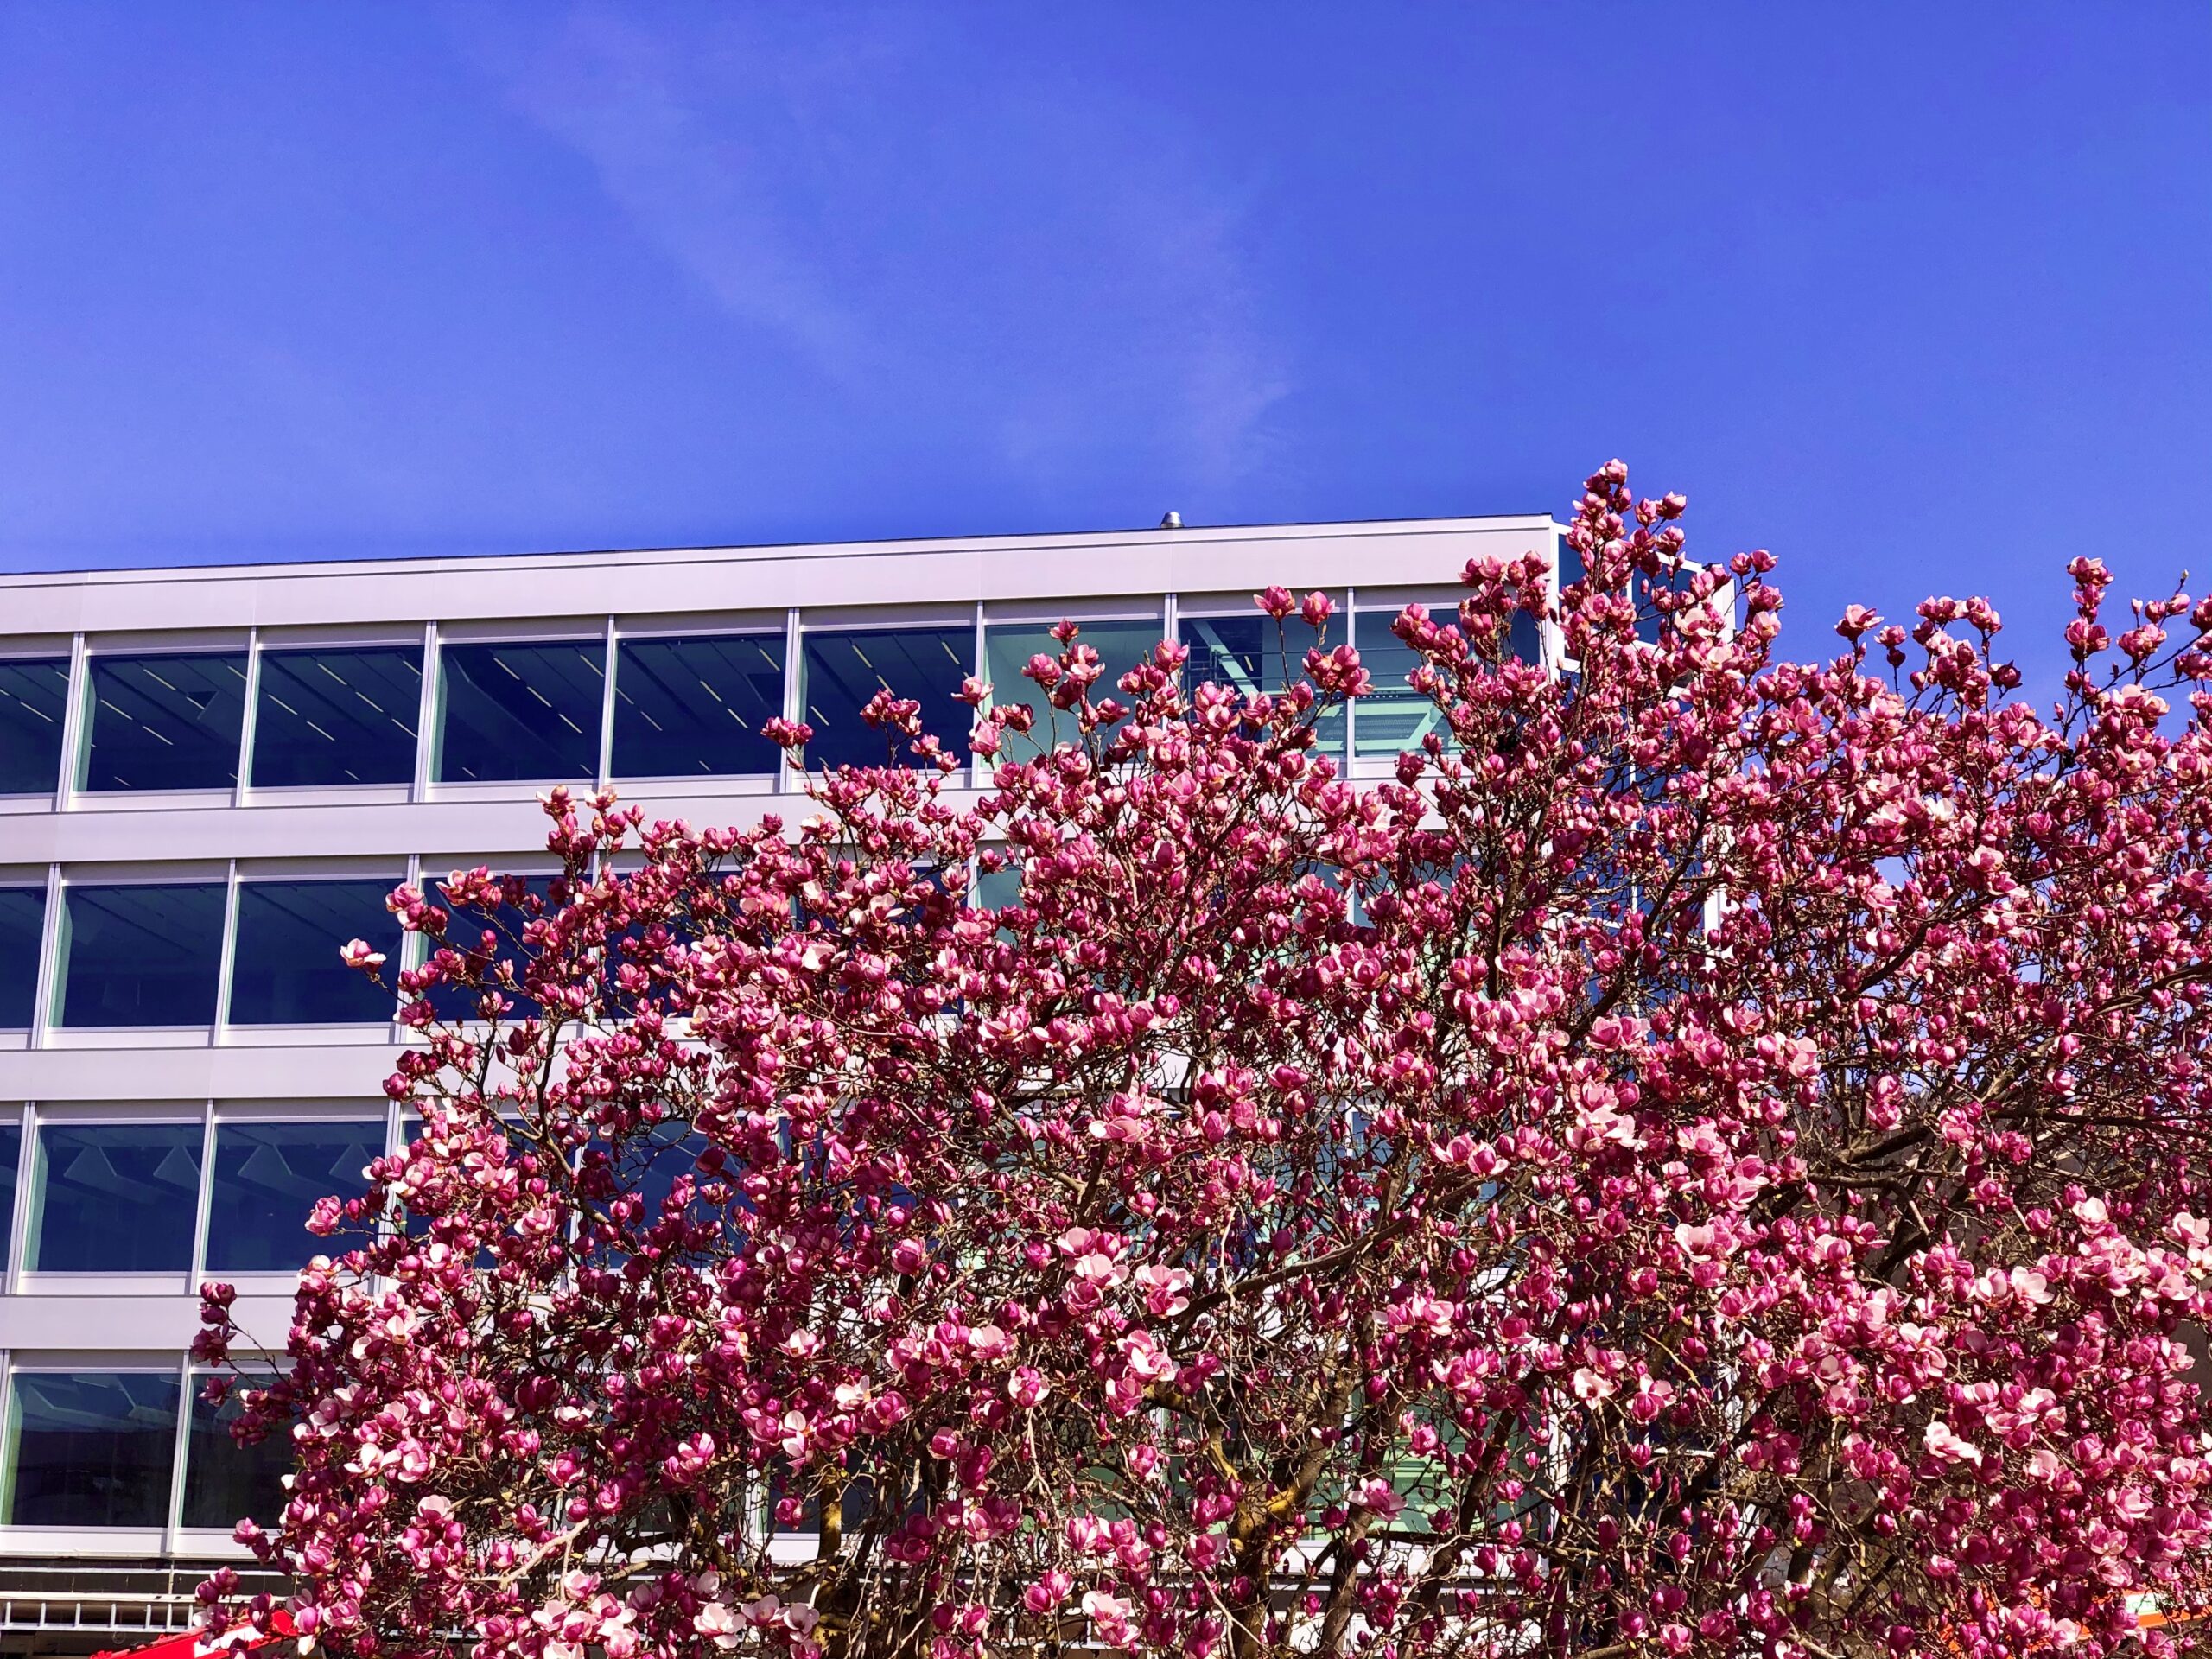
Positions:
(198, 1644)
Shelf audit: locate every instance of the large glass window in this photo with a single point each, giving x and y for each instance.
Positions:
(144, 955)
(337, 716)
(34, 696)
(166, 723)
(844, 670)
(1395, 717)
(114, 1197)
(225, 1482)
(1007, 648)
(90, 1449)
(1255, 655)
(23, 920)
(683, 706)
(285, 969)
(268, 1177)
(520, 711)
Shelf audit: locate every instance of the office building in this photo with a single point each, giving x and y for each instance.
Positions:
(209, 779)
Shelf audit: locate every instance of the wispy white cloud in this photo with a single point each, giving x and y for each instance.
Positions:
(705, 195)
(1047, 261)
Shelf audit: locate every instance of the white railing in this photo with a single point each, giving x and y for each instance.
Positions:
(123, 1601)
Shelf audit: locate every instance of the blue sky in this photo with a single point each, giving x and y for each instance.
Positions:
(1919, 296)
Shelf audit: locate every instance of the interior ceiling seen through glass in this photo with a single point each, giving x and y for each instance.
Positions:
(166, 723)
(844, 670)
(114, 1197)
(1253, 656)
(337, 716)
(34, 699)
(519, 712)
(268, 1177)
(1008, 646)
(91, 1449)
(689, 705)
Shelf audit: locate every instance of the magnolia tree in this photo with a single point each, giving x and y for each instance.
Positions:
(1705, 1158)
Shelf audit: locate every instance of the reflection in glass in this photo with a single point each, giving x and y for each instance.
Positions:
(1255, 655)
(520, 711)
(114, 1197)
(285, 968)
(34, 696)
(166, 723)
(90, 1449)
(22, 918)
(1007, 648)
(1395, 717)
(143, 954)
(225, 1482)
(844, 670)
(337, 716)
(996, 889)
(268, 1177)
(684, 707)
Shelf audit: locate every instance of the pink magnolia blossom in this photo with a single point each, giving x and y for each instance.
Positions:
(1705, 1157)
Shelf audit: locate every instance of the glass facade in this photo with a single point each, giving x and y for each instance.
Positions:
(114, 1197)
(336, 716)
(34, 702)
(267, 1178)
(166, 722)
(1395, 718)
(689, 706)
(285, 967)
(90, 1448)
(1253, 655)
(1007, 648)
(511, 712)
(842, 671)
(120, 1216)
(22, 923)
(225, 1482)
(146, 953)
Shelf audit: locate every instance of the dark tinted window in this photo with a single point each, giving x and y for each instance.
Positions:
(337, 716)
(11, 1159)
(146, 954)
(166, 723)
(34, 696)
(114, 1197)
(509, 712)
(225, 1482)
(268, 1177)
(844, 671)
(465, 932)
(22, 918)
(683, 706)
(1252, 655)
(90, 1449)
(285, 968)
